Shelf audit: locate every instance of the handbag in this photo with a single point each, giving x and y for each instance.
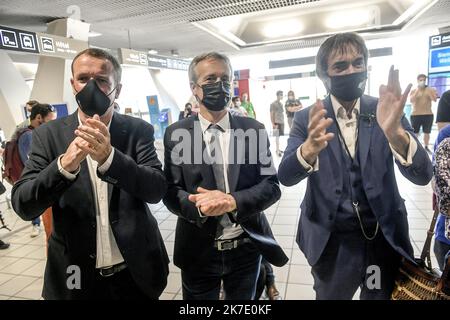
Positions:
(421, 281)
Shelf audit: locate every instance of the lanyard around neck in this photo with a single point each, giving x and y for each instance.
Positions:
(341, 137)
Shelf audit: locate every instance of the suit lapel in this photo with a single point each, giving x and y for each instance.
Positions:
(71, 123)
(195, 129)
(365, 131)
(118, 133)
(334, 144)
(236, 156)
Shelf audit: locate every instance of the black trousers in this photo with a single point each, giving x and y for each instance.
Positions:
(237, 268)
(119, 286)
(349, 262)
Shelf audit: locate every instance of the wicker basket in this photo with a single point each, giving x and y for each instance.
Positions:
(420, 281)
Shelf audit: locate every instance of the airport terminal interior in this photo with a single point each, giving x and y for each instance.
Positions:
(272, 47)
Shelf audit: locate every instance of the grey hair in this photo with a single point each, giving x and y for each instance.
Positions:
(339, 43)
(206, 56)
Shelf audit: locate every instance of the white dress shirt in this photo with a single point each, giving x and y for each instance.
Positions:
(231, 230)
(349, 130)
(108, 253)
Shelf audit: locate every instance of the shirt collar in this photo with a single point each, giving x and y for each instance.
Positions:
(337, 106)
(224, 123)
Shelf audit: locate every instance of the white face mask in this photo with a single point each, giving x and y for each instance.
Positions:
(422, 83)
(237, 103)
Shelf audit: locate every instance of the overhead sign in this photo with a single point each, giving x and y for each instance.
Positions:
(40, 43)
(160, 62)
(440, 40)
(140, 58)
(439, 63)
(439, 60)
(132, 57)
(18, 40)
(61, 47)
(439, 54)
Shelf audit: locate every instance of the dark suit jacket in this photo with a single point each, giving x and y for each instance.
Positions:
(134, 178)
(319, 206)
(252, 190)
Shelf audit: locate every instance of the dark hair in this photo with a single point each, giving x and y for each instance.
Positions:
(32, 103)
(188, 104)
(235, 98)
(421, 76)
(279, 93)
(101, 54)
(339, 43)
(206, 56)
(290, 92)
(41, 108)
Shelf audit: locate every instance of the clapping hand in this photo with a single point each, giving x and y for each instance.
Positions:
(390, 112)
(213, 202)
(96, 134)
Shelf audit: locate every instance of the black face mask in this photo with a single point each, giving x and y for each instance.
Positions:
(349, 87)
(92, 100)
(216, 96)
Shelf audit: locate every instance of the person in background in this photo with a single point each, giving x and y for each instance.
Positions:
(422, 116)
(277, 118)
(292, 105)
(266, 280)
(2, 137)
(236, 109)
(3, 245)
(443, 110)
(352, 216)
(195, 106)
(29, 106)
(40, 113)
(187, 112)
(248, 106)
(441, 159)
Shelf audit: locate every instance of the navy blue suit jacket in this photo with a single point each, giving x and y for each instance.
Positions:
(324, 187)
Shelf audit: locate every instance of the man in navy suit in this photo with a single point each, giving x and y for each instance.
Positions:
(353, 226)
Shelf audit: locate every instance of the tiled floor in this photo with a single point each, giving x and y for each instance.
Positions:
(22, 265)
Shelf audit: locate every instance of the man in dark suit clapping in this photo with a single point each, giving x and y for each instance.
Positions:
(220, 179)
(97, 169)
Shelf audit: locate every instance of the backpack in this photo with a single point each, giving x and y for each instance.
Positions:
(12, 164)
